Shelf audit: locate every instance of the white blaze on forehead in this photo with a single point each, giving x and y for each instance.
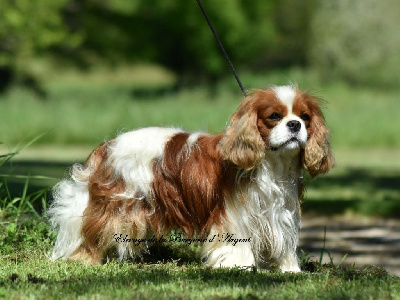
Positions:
(286, 95)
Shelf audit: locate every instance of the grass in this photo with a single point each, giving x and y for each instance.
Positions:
(87, 109)
(9, 204)
(364, 183)
(27, 273)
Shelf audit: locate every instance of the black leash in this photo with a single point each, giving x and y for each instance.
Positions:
(222, 48)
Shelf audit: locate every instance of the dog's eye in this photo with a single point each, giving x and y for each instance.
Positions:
(275, 117)
(305, 117)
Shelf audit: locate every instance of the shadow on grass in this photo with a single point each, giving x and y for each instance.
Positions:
(371, 178)
(148, 280)
(371, 192)
(386, 208)
(167, 277)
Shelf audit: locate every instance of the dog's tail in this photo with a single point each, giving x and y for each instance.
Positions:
(71, 197)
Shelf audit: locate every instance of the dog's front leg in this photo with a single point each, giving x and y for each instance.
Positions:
(229, 256)
(289, 263)
(221, 251)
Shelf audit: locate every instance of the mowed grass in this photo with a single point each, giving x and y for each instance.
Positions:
(88, 109)
(176, 273)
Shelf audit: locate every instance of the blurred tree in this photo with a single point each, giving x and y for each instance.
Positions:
(292, 19)
(173, 33)
(29, 28)
(256, 34)
(357, 41)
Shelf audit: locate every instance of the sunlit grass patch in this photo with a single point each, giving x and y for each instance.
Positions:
(28, 273)
(89, 108)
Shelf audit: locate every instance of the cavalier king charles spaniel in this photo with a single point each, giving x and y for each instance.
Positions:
(246, 183)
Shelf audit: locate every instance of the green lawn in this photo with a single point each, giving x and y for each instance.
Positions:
(27, 273)
(87, 109)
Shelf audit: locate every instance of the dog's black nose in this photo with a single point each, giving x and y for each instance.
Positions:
(294, 126)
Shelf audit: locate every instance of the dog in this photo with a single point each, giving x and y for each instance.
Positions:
(244, 184)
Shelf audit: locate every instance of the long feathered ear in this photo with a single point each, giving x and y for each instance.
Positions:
(242, 143)
(318, 157)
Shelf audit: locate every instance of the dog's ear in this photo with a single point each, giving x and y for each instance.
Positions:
(317, 156)
(242, 143)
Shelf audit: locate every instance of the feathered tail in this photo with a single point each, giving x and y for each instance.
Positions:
(71, 197)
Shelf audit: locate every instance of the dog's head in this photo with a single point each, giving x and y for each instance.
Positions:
(280, 119)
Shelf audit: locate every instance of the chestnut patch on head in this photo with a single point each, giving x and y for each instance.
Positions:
(270, 111)
(303, 108)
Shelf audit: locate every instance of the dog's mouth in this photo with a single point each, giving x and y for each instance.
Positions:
(291, 143)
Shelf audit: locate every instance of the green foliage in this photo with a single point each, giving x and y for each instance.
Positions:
(357, 41)
(174, 33)
(29, 29)
(291, 43)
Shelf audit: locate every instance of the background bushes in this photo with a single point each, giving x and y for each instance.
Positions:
(354, 41)
(357, 41)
